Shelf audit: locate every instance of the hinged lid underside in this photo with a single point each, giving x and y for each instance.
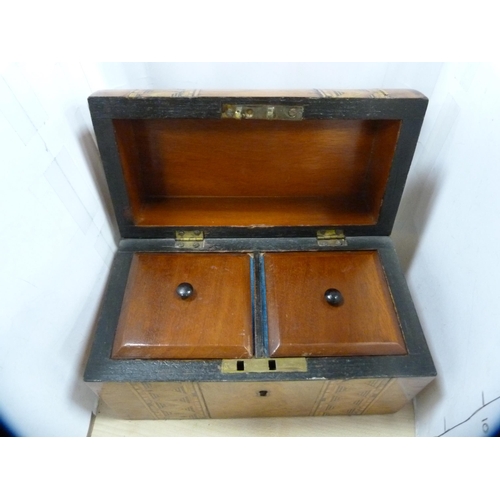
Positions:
(257, 166)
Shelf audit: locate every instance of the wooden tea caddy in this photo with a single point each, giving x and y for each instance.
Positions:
(255, 276)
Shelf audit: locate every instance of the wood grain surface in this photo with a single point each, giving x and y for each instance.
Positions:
(182, 172)
(153, 400)
(252, 211)
(202, 400)
(276, 93)
(216, 322)
(260, 399)
(302, 323)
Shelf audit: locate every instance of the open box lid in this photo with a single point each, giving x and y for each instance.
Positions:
(256, 164)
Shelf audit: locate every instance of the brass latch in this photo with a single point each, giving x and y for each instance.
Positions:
(330, 238)
(262, 112)
(189, 239)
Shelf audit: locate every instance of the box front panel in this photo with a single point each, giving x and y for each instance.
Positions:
(260, 399)
(192, 400)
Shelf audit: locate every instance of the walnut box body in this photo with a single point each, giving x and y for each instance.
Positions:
(255, 275)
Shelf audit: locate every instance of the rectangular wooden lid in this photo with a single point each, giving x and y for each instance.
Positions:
(214, 322)
(256, 163)
(301, 322)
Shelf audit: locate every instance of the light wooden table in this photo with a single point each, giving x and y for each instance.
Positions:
(397, 424)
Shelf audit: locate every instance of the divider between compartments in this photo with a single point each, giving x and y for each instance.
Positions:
(261, 330)
(253, 310)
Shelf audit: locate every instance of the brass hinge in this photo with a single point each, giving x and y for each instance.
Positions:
(330, 238)
(262, 112)
(189, 239)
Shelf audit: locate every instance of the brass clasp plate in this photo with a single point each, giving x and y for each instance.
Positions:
(262, 112)
(264, 365)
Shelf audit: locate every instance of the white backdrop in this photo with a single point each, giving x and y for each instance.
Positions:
(58, 234)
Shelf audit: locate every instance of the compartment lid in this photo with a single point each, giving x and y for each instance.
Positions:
(186, 306)
(329, 304)
(258, 163)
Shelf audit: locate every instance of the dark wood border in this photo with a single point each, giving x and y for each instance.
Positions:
(101, 368)
(407, 106)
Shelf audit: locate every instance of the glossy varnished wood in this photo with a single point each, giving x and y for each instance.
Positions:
(379, 168)
(245, 173)
(101, 368)
(146, 95)
(192, 400)
(260, 399)
(397, 114)
(302, 323)
(153, 401)
(216, 322)
(252, 211)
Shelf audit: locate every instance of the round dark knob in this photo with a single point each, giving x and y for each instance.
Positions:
(185, 290)
(334, 297)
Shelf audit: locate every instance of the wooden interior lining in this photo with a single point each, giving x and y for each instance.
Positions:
(384, 145)
(233, 211)
(183, 172)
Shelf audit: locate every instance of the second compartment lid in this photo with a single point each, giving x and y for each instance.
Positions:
(330, 304)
